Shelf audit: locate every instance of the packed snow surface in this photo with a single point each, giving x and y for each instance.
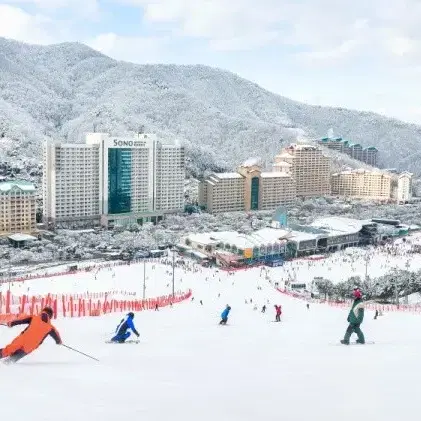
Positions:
(187, 367)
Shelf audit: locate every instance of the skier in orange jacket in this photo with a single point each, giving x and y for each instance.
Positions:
(39, 327)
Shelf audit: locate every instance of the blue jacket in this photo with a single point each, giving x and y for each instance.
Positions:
(125, 325)
(225, 313)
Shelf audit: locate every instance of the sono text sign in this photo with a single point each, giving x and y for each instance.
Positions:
(127, 143)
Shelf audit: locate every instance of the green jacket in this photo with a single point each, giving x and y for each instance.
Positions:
(356, 315)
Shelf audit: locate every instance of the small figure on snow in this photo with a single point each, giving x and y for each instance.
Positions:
(39, 327)
(308, 306)
(224, 315)
(264, 308)
(122, 333)
(355, 318)
(278, 310)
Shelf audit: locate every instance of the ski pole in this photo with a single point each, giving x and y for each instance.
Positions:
(79, 352)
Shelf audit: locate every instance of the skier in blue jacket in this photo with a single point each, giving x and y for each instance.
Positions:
(122, 333)
(224, 315)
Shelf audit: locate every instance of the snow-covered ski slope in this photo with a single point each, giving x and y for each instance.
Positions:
(188, 368)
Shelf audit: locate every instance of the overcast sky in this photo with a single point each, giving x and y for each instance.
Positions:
(360, 54)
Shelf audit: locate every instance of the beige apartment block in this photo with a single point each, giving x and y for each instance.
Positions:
(266, 190)
(252, 191)
(309, 168)
(17, 207)
(222, 192)
(362, 184)
(246, 190)
(278, 189)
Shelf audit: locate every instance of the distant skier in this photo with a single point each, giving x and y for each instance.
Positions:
(278, 310)
(376, 314)
(264, 308)
(308, 306)
(224, 315)
(39, 327)
(355, 318)
(122, 333)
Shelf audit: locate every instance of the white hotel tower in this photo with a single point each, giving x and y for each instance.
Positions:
(112, 181)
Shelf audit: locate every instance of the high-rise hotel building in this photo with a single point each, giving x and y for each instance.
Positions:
(112, 181)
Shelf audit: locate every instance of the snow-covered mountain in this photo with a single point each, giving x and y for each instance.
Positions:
(62, 91)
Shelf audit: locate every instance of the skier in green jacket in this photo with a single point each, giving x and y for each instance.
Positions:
(355, 318)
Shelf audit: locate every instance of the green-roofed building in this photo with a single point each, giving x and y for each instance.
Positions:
(369, 155)
(17, 207)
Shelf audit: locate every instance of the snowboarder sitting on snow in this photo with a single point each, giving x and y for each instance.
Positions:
(224, 315)
(122, 333)
(355, 318)
(39, 327)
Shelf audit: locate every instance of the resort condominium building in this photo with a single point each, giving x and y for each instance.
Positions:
(368, 155)
(17, 207)
(266, 190)
(121, 180)
(309, 168)
(223, 192)
(362, 184)
(246, 190)
(71, 185)
(402, 187)
(170, 176)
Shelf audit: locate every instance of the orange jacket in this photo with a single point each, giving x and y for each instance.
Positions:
(39, 327)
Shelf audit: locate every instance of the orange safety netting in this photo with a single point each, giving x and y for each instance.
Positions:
(81, 305)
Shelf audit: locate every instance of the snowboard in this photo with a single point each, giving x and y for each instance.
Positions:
(355, 343)
(122, 343)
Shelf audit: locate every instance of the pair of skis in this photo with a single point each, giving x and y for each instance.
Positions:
(122, 343)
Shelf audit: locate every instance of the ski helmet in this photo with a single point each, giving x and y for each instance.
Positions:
(131, 315)
(49, 311)
(357, 293)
